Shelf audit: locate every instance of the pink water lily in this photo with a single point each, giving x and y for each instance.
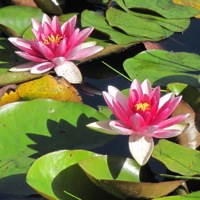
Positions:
(55, 46)
(142, 116)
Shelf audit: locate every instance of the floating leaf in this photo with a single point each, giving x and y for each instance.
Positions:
(169, 153)
(23, 20)
(166, 8)
(100, 24)
(163, 67)
(48, 87)
(58, 125)
(62, 178)
(191, 3)
(142, 27)
(120, 177)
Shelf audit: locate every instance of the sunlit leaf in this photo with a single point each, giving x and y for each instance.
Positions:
(48, 87)
(23, 20)
(135, 25)
(120, 177)
(165, 8)
(191, 3)
(163, 67)
(100, 24)
(169, 153)
(39, 127)
(62, 178)
(9, 97)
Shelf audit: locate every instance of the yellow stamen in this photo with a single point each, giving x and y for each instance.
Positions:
(54, 39)
(142, 106)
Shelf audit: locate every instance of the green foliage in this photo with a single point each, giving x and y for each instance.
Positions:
(163, 67)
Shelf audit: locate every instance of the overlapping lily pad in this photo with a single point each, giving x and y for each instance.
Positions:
(31, 129)
(163, 67)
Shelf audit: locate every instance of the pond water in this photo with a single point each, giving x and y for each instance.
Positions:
(188, 42)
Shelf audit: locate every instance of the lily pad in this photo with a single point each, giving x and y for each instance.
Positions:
(120, 177)
(62, 178)
(39, 127)
(19, 19)
(169, 153)
(163, 67)
(166, 8)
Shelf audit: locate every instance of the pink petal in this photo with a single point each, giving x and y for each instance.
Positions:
(83, 35)
(137, 122)
(69, 71)
(56, 27)
(42, 68)
(22, 44)
(84, 53)
(119, 128)
(46, 52)
(61, 49)
(30, 57)
(172, 120)
(146, 87)
(119, 96)
(102, 126)
(135, 85)
(141, 148)
(169, 132)
(35, 24)
(69, 26)
(167, 109)
(116, 108)
(23, 67)
(165, 98)
(46, 19)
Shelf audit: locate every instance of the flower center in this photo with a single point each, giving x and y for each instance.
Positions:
(53, 39)
(142, 106)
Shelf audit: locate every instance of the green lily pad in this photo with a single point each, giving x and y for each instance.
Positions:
(31, 129)
(19, 19)
(121, 177)
(169, 154)
(57, 176)
(166, 8)
(163, 67)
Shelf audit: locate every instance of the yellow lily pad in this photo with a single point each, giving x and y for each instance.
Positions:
(48, 87)
(9, 98)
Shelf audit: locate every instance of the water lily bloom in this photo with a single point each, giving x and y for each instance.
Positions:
(142, 116)
(55, 46)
